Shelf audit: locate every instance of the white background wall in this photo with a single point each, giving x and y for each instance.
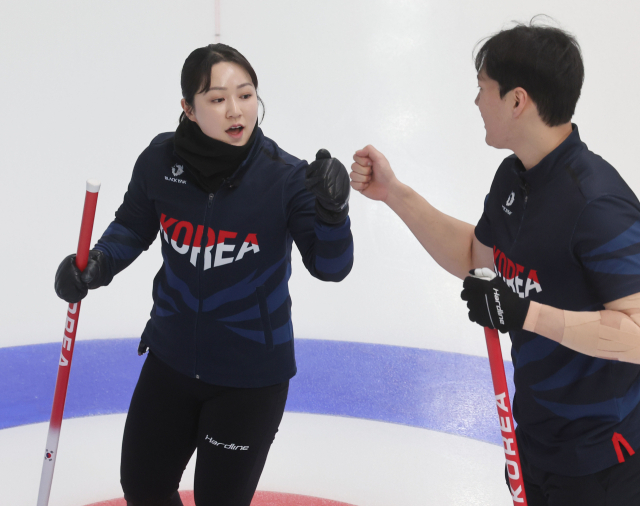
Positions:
(86, 85)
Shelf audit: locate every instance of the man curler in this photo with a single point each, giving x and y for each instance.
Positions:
(561, 231)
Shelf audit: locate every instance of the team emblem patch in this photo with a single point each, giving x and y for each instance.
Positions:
(511, 198)
(177, 170)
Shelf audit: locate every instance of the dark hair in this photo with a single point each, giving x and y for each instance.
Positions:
(543, 60)
(196, 71)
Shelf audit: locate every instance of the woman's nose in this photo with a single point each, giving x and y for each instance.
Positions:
(232, 108)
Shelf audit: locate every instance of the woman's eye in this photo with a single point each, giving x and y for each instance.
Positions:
(217, 100)
(248, 95)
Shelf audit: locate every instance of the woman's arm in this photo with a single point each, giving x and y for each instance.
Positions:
(326, 248)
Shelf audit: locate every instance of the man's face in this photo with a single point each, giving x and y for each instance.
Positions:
(496, 112)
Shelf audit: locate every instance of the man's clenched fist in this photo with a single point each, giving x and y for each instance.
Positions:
(492, 303)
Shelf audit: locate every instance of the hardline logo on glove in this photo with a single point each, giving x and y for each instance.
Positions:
(506, 311)
(496, 295)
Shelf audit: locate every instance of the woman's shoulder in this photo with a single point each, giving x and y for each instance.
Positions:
(158, 154)
(163, 138)
(160, 147)
(277, 155)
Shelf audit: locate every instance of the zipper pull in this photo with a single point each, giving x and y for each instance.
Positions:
(210, 200)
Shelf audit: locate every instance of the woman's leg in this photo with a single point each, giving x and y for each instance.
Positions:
(235, 433)
(159, 436)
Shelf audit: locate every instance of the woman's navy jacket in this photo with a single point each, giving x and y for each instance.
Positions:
(222, 310)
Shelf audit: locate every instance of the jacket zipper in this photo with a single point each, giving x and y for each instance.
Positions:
(525, 187)
(200, 271)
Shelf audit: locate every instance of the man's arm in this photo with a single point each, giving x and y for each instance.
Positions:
(452, 243)
(613, 333)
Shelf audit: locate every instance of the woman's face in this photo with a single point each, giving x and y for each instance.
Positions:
(228, 110)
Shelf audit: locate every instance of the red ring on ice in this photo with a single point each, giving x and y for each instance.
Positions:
(260, 499)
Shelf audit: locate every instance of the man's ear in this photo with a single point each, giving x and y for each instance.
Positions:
(188, 110)
(521, 100)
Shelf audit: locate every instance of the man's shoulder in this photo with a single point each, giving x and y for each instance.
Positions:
(595, 177)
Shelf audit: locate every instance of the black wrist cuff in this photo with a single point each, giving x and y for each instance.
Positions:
(331, 217)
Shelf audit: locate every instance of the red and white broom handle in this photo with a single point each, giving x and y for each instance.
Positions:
(68, 341)
(507, 427)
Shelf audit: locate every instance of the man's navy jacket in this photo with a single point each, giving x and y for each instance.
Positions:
(567, 233)
(222, 310)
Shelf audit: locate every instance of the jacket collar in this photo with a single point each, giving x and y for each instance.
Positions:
(549, 166)
(236, 178)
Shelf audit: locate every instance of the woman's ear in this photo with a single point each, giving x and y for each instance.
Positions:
(188, 110)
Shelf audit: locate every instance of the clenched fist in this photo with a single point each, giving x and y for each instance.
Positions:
(371, 174)
(328, 180)
(72, 285)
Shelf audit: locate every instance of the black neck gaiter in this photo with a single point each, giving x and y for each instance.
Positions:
(211, 161)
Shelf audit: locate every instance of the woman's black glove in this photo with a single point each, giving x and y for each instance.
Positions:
(492, 303)
(328, 180)
(142, 348)
(72, 285)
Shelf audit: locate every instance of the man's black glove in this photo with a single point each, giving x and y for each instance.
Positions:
(72, 285)
(492, 303)
(328, 180)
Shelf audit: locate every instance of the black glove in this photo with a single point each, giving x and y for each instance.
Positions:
(328, 180)
(142, 348)
(72, 285)
(492, 303)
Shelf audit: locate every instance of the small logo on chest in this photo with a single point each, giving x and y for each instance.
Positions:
(510, 200)
(176, 170)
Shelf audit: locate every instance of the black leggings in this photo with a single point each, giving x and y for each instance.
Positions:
(171, 415)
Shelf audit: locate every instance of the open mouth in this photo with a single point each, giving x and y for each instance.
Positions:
(235, 130)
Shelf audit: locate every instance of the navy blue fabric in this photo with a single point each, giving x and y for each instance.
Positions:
(566, 233)
(222, 310)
